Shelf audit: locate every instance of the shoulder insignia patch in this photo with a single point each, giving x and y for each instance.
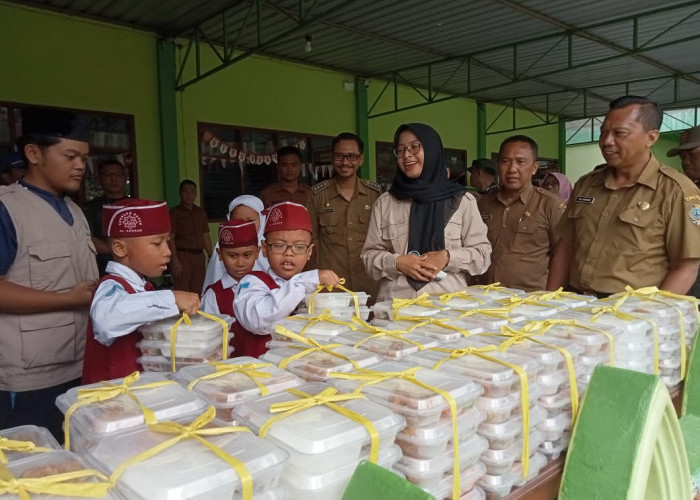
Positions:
(372, 185)
(562, 205)
(694, 214)
(317, 188)
(692, 197)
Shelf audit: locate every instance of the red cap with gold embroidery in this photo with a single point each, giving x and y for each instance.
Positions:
(132, 217)
(287, 216)
(237, 233)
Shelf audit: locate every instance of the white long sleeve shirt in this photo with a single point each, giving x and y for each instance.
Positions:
(116, 312)
(209, 303)
(257, 307)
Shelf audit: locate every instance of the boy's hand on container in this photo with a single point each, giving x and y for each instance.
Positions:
(187, 302)
(328, 277)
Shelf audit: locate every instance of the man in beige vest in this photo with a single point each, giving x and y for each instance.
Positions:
(47, 271)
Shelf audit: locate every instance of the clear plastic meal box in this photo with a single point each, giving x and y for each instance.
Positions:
(500, 409)
(427, 473)
(319, 438)
(460, 302)
(631, 328)
(436, 331)
(660, 312)
(419, 405)
(188, 469)
(556, 403)
(386, 345)
(237, 386)
(592, 337)
(504, 434)
(315, 366)
(537, 310)
(501, 461)
(494, 292)
(432, 440)
(184, 349)
(201, 329)
(39, 436)
(490, 319)
(332, 300)
(567, 300)
(93, 422)
(40, 465)
(467, 481)
(311, 485)
(301, 325)
(385, 310)
(535, 465)
(497, 379)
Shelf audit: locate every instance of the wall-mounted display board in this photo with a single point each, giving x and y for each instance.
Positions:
(455, 159)
(240, 160)
(111, 137)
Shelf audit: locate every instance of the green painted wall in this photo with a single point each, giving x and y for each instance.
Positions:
(57, 60)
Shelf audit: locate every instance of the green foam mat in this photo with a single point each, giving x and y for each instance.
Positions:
(371, 482)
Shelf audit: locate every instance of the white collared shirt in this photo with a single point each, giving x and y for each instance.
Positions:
(115, 312)
(209, 303)
(257, 307)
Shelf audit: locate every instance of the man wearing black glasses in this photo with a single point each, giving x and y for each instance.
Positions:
(340, 210)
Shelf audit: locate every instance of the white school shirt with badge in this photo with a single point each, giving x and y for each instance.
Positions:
(209, 303)
(257, 307)
(116, 312)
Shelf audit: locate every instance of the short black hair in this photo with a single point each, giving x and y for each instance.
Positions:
(649, 114)
(109, 161)
(43, 141)
(349, 136)
(521, 138)
(288, 150)
(186, 182)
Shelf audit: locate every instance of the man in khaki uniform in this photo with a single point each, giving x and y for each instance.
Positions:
(689, 151)
(287, 187)
(633, 222)
(520, 218)
(340, 210)
(189, 239)
(482, 176)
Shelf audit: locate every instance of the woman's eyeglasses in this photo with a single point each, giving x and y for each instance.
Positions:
(280, 248)
(412, 148)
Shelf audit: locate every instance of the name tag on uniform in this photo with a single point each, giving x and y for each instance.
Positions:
(327, 210)
(584, 199)
(486, 217)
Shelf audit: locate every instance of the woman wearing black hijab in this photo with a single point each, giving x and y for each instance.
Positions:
(425, 224)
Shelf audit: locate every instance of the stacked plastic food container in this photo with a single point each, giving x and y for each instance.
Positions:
(198, 341)
(324, 444)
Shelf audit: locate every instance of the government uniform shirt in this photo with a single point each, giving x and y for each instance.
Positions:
(630, 235)
(189, 226)
(522, 237)
(274, 193)
(340, 227)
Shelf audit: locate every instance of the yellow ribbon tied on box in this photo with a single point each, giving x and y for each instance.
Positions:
(558, 294)
(496, 312)
(494, 287)
(186, 318)
(422, 301)
(196, 430)
(378, 331)
(250, 370)
(330, 288)
(370, 377)
(309, 345)
(542, 327)
(20, 446)
(481, 352)
(65, 484)
(108, 390)
(516, 337)
(441, 322)
(328, 397)
(324, 316)
(600, 310)
(513, 302)
(461, 294)
(651, 293)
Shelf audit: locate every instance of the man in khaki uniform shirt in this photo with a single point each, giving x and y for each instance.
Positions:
(633, 222)
(288, 187)
(340, 210)
(521, 219)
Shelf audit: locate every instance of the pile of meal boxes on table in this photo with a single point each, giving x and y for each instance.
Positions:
(467, 395)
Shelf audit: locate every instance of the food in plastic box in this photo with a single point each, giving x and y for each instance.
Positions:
(552, 382)
(549, 358)
(631, 328)
(317, 329)
(555, 403)
(163, 364)
(462, 303)
(40, 436)
(554, 427)
(541, 310)
(489, 322)
(553, 449)
(438, 332)
(431, 441)
(236, 387)
(40, 465)
(568, 300)
(496, 487)
(535, 465)
(501, 461)
(504, 434)
(587, 335)
(316, 366)
(475, 493)
(320, 438)
(201, 329)
(332, 300)
(427, 473)
(467, 479)
(385, 310)
(499, 409)
(310, 485)
(497, 379)
(388, 346)
(494, 293)
(94, 421)
(200, 474)
(420, 406)
(183, 349)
